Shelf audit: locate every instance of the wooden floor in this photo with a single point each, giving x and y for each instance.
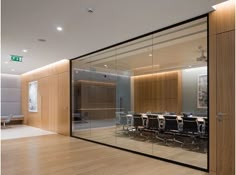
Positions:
(115, 136)
(60, 155)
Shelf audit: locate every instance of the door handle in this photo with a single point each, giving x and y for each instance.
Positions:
(220, 115)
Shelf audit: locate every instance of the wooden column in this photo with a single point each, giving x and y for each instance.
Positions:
(222, 89)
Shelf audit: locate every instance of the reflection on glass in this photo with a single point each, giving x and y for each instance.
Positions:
(149, 95)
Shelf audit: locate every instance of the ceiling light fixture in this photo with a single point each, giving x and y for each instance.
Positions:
(90, 10)
(105, 66)
(150, 55)
(12, 70)
(59, 29)
(24, 50)
(190, 66)
(215, 6)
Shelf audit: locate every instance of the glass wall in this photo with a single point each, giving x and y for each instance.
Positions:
(149, 95)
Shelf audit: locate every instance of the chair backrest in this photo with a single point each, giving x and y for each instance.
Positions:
(118, 115)
(137, 120)
(123, 119)
(190, 124)
(153, 121)
(8, 118)
(206, 125)
(186, 114)
(171, 122)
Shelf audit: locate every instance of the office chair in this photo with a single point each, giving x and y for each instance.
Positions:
(153, 126)
(191, 128)
(206, 127)
(138, 124)
(123, 120)
(5, 120)
(172, 127)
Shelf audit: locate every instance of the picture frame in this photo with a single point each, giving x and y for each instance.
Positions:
(202, 94)
(33, 96)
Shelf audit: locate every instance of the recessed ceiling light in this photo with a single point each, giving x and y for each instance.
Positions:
(150, 55)
(190, 66)
(12, 70)
(59, 28)
(6, 62)
(105, 65)
(24, 50)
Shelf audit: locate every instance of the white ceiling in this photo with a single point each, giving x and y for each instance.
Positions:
(25, 21)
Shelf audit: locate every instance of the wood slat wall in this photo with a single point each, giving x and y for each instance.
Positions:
(53, 97)
(158, 92)
(97, 99)
(222, 88)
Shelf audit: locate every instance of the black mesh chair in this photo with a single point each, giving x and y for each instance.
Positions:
(138, 123)
(153, 126)
(206, 127)
(172, 127)
(191, 128)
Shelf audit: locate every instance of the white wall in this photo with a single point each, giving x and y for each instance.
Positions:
(10, 94)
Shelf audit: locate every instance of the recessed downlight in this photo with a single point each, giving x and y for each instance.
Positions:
(59, 28)
(12, 70)
(24, 50)
(105, 66)
(90, 10)
(150, 55)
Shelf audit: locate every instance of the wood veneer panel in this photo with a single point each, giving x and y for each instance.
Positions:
(44, 93)
(48, 106)
(158, 92)
(63, 104)
(53, 102)
(226, 103)
(212, 23)
(225, 15)
(212, 101)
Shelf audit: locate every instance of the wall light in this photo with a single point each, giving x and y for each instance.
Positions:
(217, 5)
(47, 66)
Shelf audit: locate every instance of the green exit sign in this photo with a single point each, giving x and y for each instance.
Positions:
(16, 58)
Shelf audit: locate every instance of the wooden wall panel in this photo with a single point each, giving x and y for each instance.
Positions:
(158, 92)
(98, 99)
(225, 17)
(53, 82)
(44, 96)
(53, 102)
(225, 103)
(212, 101)
(222, 90)
(63, 103)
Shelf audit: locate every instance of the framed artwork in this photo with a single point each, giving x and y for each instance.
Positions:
(202, 97)
(33, 96)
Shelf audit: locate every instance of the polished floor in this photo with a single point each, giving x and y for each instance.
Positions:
(115, 136)
(20, 131)
(60, 155)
